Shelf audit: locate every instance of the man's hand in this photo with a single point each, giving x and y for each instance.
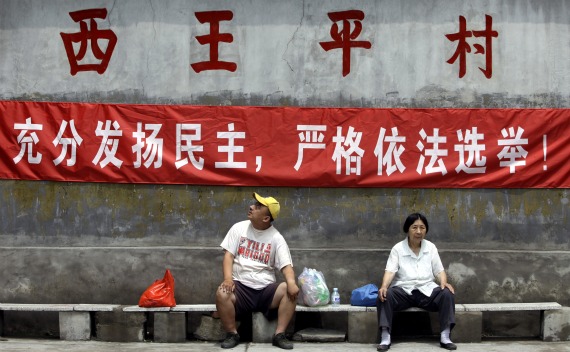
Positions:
(227, 286)
(292, 288)
(292, 291)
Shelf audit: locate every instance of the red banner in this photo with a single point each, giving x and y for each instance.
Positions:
(285, 146)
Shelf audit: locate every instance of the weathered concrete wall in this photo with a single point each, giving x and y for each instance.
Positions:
(119, 275)
(104, 243)
(62, 214)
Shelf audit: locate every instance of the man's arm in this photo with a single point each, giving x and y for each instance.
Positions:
(227, 269)
(292, 288)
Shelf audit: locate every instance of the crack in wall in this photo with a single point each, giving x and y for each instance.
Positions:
(293, 37)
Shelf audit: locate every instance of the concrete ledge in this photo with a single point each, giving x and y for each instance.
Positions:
(119, 326)
(74, 326)
(37, 307)
(362, 320)
(299, 308)
(262, 329)
(556, 325)
(351, 308)
(169, 327)
(95, 307)
(468, 327)
(210, 329)
(74, 319)
(177, 308)
(319, 335)
(194, 308)
(331, 308)
(363, 327)
(497, 307)
(143, 310)
(170, 323)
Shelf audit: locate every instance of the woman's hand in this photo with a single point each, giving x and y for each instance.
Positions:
(382, 293)
(449, 287)
(386, 280)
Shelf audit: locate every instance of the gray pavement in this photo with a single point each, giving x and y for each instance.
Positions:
(13, 344)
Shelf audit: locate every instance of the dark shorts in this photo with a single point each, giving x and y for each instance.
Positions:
(251, 300)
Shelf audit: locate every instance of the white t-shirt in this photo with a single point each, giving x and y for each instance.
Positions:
(415, 272)
(256, 254)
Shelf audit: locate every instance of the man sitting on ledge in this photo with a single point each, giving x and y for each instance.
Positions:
(252, 249)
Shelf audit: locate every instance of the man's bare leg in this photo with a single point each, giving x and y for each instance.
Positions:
(286, 308)
(225, 305)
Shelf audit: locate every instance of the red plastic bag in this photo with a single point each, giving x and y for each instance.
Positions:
(160, 293)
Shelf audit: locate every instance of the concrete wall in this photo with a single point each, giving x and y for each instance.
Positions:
(62, 240)
(104, 243)
(279, 59)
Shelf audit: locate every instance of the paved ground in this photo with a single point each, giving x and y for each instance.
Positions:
(13, 344)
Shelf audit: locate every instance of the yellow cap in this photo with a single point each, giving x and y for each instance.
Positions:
(269, 202)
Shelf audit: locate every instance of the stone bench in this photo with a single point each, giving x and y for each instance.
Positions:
(362, 321)
(75, 320)
(469, 320)
(170, 323)
(553, 317)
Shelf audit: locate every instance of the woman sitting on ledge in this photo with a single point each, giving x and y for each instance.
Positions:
(409, 281)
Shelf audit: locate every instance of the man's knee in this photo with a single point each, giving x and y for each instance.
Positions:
(222, 296)
(280, 292)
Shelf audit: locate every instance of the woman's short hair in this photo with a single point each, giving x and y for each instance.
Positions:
(412, 218)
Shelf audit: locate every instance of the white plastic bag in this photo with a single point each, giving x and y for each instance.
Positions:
(314, 290)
